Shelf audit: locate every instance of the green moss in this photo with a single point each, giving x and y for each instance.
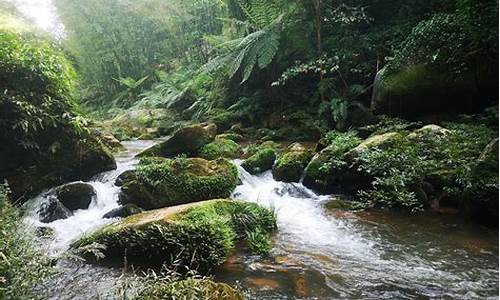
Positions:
(199, 237)
(161, 182)
(261, 161)
(220, 148)
(191, 289)
(290, 166)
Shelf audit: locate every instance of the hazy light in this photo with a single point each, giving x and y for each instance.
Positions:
(43, 14)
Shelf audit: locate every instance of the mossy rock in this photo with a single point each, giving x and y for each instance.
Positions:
(220, 148)
(161, 182)
(261, 161)
(420, 90)
(345, 178)
(430, 131)
(191, 289)
(198, 235)
(290, 166)
(187, 140)
(377, 141)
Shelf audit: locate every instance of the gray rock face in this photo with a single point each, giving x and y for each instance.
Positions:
(53, 210)
(75, 195)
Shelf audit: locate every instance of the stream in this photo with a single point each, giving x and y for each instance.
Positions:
(318, 253)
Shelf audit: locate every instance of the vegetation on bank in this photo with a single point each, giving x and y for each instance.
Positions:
(48, 140)
(22, 266)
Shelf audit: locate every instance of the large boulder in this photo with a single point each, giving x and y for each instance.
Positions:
(187, 140)
(220, 147)
(198, 235)
(419, 91)
(259, 162)
(52, 210)
(291, 164)
(160, 182)
(191, 289)
(75, 195)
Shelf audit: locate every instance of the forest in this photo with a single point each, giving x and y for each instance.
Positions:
(249, 149)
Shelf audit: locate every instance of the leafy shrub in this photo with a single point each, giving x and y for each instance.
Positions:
(399, 171)
(339, 144)
(190, 289)
(21, 265)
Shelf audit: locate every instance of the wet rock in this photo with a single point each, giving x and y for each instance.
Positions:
(186, 140)
(291, 164)
(294, 190)
(75, 195)
(263, 283)
(123, 211)
(45, 232)
(53, 210)
(126, 176)
(342, 204)
(261, 161)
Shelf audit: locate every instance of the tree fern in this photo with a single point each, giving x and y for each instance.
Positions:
(256, 49)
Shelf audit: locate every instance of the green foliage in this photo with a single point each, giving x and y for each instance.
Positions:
(38, 89)
(259, 242)
(399, 171)
(338, 144)
(389, 124)
(453, 41)
(190, 289)
(257, 49)
(22, 266)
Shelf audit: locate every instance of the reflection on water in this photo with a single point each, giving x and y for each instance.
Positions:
(328, 254)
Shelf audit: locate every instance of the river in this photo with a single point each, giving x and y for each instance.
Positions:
(318, 253)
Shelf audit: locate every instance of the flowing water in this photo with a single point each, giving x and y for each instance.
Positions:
(317, 254)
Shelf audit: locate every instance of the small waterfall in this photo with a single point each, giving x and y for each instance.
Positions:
(86, 220)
